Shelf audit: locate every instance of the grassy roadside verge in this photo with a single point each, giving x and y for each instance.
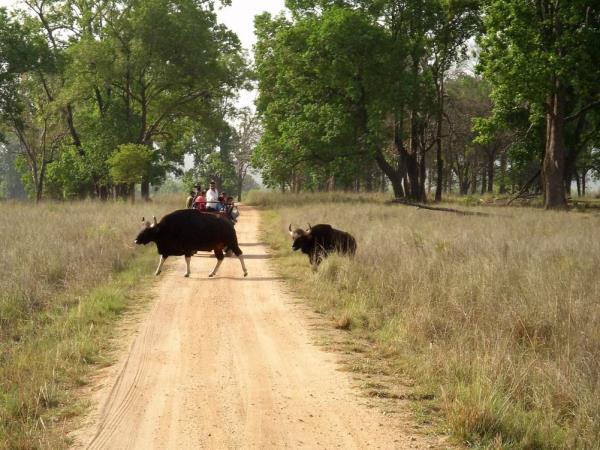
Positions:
(71, 271)
(495, 317)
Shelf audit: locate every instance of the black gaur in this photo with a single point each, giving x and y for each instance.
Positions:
(187, 231)
(320, 240)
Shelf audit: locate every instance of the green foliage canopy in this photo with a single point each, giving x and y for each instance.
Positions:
(141, 72)
(131, 163)
(543, 58)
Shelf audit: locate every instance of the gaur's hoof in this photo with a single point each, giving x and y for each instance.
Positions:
(245, 274)
(210, 275)
(187, 275)
(156, 274)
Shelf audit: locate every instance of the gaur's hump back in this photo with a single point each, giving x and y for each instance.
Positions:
(321, 228)
(188, 217)
(184, 222)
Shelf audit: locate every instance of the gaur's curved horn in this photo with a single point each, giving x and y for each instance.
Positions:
(309, 228)
(143, 219)
(290, 228)
(154, 220)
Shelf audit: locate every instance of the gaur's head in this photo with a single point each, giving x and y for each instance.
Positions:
(301, 238)
(148, 233)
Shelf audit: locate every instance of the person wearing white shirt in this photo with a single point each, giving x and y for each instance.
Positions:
(212, 197)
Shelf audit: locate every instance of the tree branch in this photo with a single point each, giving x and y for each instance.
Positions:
(582, 110)
(152, 129)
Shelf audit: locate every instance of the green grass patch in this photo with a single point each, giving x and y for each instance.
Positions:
(71, 271)
(55, 353)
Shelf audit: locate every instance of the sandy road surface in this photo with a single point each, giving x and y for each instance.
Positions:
(229, 363)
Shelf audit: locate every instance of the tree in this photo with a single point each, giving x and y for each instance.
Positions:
(247, 136)
(456, 22)
(11, 185)
(213, 148)
(110, 73)
(321, 83)
(551, 69)
(131, 164)
(346, 85)
(24, 106)
(146, 70)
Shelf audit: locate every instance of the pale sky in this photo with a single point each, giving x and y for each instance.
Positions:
(239, 17)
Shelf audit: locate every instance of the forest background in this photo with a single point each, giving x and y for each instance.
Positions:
(421, 97)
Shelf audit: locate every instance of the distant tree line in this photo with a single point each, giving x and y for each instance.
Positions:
(98, 96)
(359, 94)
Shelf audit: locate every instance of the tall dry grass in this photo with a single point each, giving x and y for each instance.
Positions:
(497, 316)
(67, 271)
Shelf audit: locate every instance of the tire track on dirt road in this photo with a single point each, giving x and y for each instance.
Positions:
(229, 362)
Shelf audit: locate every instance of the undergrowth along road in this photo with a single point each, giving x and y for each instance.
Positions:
(494, 317)
(69, 272)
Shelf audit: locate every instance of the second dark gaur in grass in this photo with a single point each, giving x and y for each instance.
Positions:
(318, 241)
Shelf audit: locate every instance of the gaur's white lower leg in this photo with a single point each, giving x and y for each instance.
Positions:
(161, 261)
(241, 258)
(214, 272)
(187, 263)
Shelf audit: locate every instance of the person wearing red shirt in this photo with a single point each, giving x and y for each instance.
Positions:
(200, 201)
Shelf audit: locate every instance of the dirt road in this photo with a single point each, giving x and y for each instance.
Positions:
(229, 363)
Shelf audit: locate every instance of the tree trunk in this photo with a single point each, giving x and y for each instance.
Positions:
(439, 159)
(440, 173)
(574, 147)
(422, 176)
(145, 190)
(429, 181)
(502, 187)
(34, 179)
(72, 130)
(405, 185)
(369, 182)
(103, 192)
(394, 176)
(474, 182)
(577, 181)
(240, 186)
(490, 172)
(463, 180)
(569, 181)
(122, 191)
(553, 167)
(464, 187)
(415, 165)
(412, 171)
(38, 193)
(483, 181)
